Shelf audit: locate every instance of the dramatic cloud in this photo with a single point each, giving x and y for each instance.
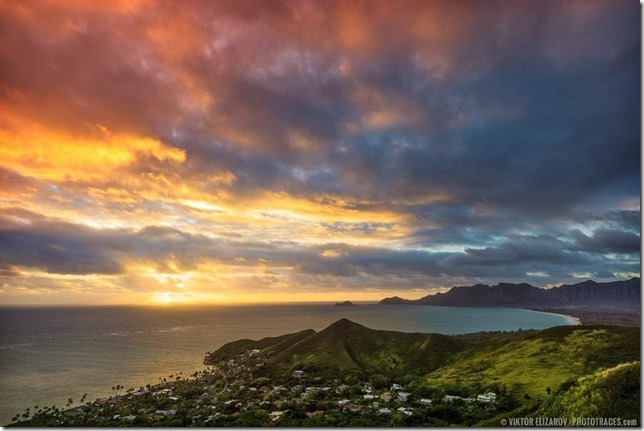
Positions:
(217, 149)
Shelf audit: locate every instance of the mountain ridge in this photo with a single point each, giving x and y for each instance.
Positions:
(587, 293)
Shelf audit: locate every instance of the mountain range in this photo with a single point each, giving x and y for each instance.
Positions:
(625, 293)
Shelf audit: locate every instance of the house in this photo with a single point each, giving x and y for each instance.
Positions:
(264, 389)
(367, 397)
(425, 401)
(404, 410)
(298, 374)
(297, 388)
(396, 387)
(340, 389)
(343, 402)
(353, 407)
(386, 396)
(450, 398)
(129, 417)
(489, 397)
(402, 396)
(384, 411)
(276, 415)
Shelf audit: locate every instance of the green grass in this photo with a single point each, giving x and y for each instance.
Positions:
(614, 392)
(346, 346)
(270, 344)
(531, 363)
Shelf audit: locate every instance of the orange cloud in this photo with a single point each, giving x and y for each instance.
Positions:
(43, 153)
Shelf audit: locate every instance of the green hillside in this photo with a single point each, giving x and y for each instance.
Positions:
(614, 392)
(532, 363)
(348, 346)
(235, 348)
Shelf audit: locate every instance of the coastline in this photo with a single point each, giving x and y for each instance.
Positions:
(574, 321)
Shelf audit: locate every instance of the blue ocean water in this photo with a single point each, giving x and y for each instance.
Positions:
(48, 355)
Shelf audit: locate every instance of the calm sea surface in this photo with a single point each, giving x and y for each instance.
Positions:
(48, 355)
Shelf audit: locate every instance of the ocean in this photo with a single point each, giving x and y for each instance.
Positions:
(48, 355)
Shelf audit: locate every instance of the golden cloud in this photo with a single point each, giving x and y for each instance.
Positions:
(34, 150)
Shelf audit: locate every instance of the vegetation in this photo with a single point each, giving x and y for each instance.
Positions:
(607, 393)
(350, 375)
(532, 362)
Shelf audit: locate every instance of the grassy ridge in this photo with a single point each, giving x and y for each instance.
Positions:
(534, 362)
(348, 346)
(235, 348)
(614, 392)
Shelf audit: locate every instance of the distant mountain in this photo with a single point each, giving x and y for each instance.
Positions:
(587, 293)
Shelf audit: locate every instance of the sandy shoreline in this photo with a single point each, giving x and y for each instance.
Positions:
(571, 319)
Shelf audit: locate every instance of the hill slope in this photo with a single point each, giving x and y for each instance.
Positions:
(531, 363)
(234, 348)
(347, 346)
(604, 394)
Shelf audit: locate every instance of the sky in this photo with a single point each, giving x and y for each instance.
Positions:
(165, 152)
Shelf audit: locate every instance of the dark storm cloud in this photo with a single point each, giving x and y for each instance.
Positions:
(608, 241)
(623, 219)
(59, 248)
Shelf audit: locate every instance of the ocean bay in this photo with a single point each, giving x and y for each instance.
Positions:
(48, 355)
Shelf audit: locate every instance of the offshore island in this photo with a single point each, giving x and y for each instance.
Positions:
(345, 304)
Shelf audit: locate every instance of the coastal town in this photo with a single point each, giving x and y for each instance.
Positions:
(236, 392)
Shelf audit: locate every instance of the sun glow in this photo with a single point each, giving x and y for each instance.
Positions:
(167, 298)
